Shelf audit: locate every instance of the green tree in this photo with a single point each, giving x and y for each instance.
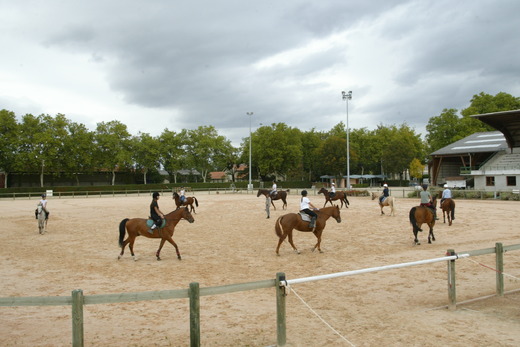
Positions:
(173, 151)
(146, 153)
(312, 165)
(113, 147)
(78, 152)
(333, 155)
(416, 168)
(9, 142)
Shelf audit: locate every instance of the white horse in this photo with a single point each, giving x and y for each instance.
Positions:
(389, 201)
(42, 222)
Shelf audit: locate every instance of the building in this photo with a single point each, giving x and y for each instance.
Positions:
(487, 161)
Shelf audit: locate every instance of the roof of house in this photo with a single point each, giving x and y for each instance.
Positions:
(217, 175)
(492, 141)
(507, 122)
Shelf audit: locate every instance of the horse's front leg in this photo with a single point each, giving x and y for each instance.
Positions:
(318, 243)
(157, 254)
(272, 203)
(170, 240)
(382, 212)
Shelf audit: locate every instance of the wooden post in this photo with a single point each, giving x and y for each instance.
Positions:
(268, 206)
(194, 295)
(77, 318)
(499, 250)
(452, 294)
(281, 334)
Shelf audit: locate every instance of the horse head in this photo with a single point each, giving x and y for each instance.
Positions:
(336, 214)
(186, 214)
(260, 192)
(175, 195)
(322, 191)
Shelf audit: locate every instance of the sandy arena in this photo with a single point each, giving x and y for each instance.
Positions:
(230, 242)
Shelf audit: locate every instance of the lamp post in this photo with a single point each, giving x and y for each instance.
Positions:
(250, 185)
(347, 97)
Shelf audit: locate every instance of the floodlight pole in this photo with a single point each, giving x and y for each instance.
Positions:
(250, 185)
(347, 97)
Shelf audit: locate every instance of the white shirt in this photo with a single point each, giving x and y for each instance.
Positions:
(181, 193)
(274, 187)
(446, 194)
(304, 203)
(43, 202)
(333, 189)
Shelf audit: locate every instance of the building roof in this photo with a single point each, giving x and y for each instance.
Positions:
(491, 141)
(217, 175)
(507, 122)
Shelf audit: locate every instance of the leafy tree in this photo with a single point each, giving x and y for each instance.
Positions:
(113, 147)
(9, 142)
(172, 151)
(416, 168)
(333, 155)
(78, 150)
(312, 163)
(145, 153)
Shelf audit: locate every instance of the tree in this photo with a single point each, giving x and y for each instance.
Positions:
(77, 150)
(145, 153)
(416, 168)
(113, 147)
(173, 151)
(9, 142)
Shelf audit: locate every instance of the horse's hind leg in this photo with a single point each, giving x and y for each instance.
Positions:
(431, 234)
(280, 241)
(416, 240)
(123, 248)
(292, 243)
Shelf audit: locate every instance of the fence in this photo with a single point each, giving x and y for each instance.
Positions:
(77, 300)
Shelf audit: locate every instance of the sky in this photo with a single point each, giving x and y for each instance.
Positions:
(171, 64)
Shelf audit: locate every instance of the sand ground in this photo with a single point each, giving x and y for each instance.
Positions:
(230, 242)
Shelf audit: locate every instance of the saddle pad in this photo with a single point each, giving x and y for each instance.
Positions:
(150, 222)
(305, 216)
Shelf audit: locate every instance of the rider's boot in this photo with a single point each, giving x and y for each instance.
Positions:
(312, 224)
(152, 228)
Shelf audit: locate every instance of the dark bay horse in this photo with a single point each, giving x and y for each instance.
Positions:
(288, 222)
(420, 215)
(137, 226)
(341, 196)
(448, 208)
(280, 194)
(389, 201)
(188, 201)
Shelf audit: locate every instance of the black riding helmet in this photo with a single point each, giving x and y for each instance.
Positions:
(155, 195)
(304, 193)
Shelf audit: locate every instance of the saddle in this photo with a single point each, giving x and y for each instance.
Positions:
(150, 222)
(305, 216)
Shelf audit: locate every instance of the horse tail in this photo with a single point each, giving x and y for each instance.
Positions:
(122, 230)
(413, 221)
(452, 203)
(278, 227)
(196, 202)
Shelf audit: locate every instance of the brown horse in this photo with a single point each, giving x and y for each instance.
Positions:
(280, 194)
(188, 201)
(288, 222)
(389, 201)
(420, 215)
(448, 208)
(137, 226)
(341, 196)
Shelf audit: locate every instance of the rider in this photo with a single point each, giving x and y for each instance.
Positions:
(43, 203)
(385, 194)
(446, 194)
(155, 212)
(182, 195)
(273, 189)
(426, 200)
(332, 190)
(305, 207)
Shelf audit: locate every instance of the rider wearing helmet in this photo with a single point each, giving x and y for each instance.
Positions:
(155, 212)
(305, 207)
(446, 194)
(332, 190)
(386, 193)
(426, 199)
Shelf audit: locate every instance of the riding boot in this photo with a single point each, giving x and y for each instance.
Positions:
(152, 228)
(312, 224)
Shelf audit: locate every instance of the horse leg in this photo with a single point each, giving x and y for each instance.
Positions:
(415, 231)
(272, 203)
(157, 254)
(123, 248)
(318, 243)
(170, 240)
(280, 241)
(290, 233)
(131, 247)
(431, 234)
(381, 205)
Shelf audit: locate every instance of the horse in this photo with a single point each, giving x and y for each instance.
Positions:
(420, 215)
(448, 208)
(137, 226)
(288, 222)
(188, 201)
(341, 196)
(389, 201)
(280, 194)
(40, 215)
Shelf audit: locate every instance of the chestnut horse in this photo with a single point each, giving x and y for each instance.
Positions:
(280, 194)
(389, 201)
(137, 226)
(448, 208)
(188, 201)
(288, 222)
(420, 215)
(341, 196)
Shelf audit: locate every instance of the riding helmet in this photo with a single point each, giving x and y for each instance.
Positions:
(445, 186)
(425, 186)
(44, 195)
(155, 194)
(304, 193)
(385, 185)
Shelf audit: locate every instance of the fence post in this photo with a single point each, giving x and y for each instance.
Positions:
(452, 295)
(281, 334)
(194, 295)
(77, 318)
(499, 250)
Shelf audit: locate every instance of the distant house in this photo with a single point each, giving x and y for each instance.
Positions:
(218, 176)
(485, 160)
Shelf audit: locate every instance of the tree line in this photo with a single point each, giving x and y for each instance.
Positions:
(47, 144)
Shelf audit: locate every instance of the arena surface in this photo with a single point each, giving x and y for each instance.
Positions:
(230, 242)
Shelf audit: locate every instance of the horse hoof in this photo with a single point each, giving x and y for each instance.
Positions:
(135, 258)
(321, 251)
(118, 257)
(179, 257)
(158, 258)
